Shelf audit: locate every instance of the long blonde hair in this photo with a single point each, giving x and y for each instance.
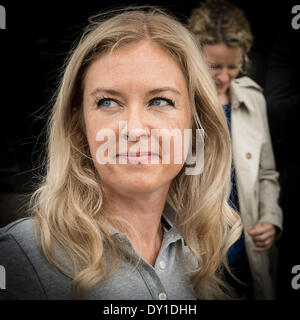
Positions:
(68, 205)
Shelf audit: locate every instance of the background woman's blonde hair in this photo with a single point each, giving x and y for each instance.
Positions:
(218, 21)
(69, 204)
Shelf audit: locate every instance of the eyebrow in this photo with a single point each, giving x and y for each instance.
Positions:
(162, 89)
(117, 93)
(218, 64)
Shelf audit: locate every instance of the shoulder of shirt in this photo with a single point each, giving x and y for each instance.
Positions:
(20, 228)
(20, 254)
(247, 83)
(21, 232)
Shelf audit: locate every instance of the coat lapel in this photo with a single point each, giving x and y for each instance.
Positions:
(246, 138)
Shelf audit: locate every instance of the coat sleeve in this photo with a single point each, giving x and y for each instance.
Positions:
(269, 210)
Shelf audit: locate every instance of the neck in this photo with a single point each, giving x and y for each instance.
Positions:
(143, 212)
(224, 97)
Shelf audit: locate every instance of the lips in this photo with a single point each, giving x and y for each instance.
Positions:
(220, 85)
(137, 157)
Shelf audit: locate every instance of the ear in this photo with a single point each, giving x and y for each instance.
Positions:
(245, 64)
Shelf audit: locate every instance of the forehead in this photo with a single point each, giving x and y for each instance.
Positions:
(145, 63)
(221, 53)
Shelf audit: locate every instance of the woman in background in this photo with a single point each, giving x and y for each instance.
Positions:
(225, 37)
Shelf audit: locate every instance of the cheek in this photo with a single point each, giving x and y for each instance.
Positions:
(91, 132)
(234, 73)
(96, 132)
(179, 129)
(213, 74)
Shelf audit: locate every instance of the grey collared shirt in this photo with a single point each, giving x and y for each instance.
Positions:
(30, 276)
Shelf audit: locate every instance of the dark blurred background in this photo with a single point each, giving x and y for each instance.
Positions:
(38, 37)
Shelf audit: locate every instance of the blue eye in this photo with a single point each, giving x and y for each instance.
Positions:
(161, 102)
(106, 103)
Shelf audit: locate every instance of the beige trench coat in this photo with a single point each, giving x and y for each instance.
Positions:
(257, 180)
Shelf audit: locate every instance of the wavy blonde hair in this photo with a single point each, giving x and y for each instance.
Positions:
(218, 21)
(68, 205)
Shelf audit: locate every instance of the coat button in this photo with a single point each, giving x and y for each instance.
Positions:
(248, 155)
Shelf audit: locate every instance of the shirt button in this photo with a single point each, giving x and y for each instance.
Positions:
(248, 155)
(162, 296)
(162, 265)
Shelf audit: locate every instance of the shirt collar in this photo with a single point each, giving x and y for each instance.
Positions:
(171, 232)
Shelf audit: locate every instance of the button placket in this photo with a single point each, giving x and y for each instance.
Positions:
(162, 296)
(248, 155)
(162, 265)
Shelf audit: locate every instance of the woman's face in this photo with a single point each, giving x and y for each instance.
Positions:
(225, 64)
(127, 94)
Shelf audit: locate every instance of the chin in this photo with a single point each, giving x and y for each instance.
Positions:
(140, 179)
(222, 90)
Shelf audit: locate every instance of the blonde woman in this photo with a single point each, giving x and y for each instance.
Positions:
(225, 36)
(127, 229)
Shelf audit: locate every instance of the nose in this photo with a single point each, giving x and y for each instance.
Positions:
(136, 122)
(223, 75)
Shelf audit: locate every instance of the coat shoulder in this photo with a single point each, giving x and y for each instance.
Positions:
(246, 82)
